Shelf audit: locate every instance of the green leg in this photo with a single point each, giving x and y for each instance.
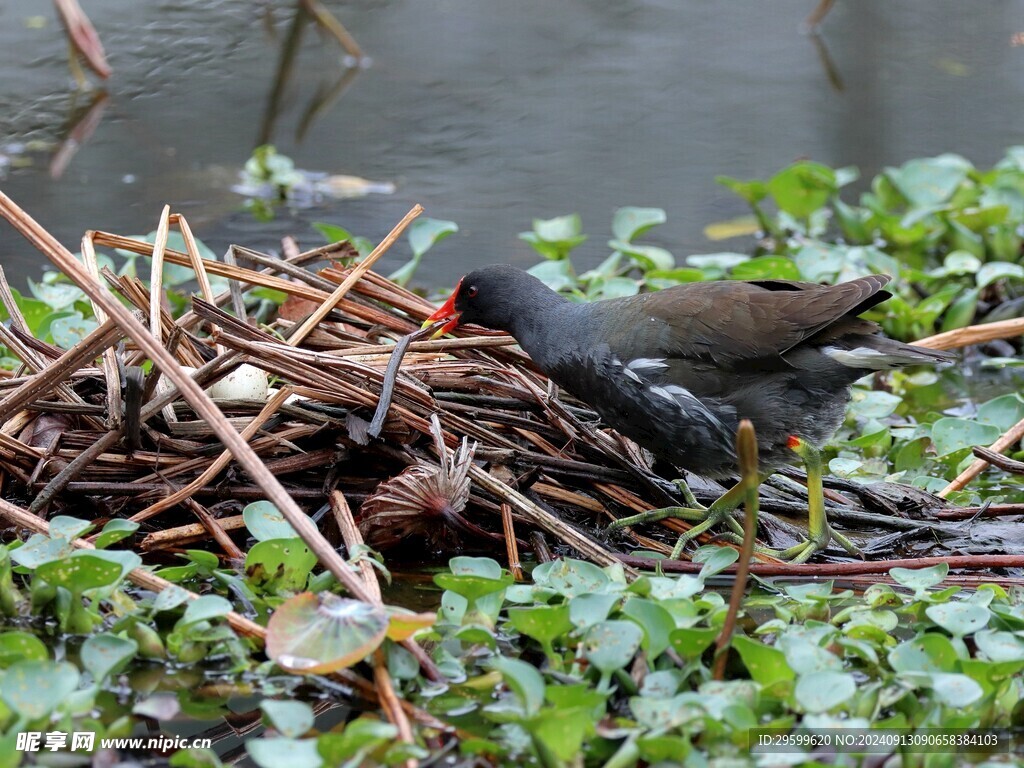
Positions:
(705, 518)
(819, 532)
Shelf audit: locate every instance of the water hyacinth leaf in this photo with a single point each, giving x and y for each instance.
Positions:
(523, 680)
(959, 619)
(1002, 412)
(998, 270)
(170, 598)
(753, 191)
(802, 188)
(403, 624)
(950, 434)
(956, 690)
(591, 608)
(995, 645)
(647, 257)
(273, 753)
(69, 330)
(559, 228)
(543, 623)
(715, 560)
(930, 652)
(472, 587)
(41, 549)
(106, 654)
(556, 275)
(691, 642)
(930, 181)
(425, 233)
(64, 527)
(717, 261)
(629, 222)
(806, 657)
(205, 608)
(614, 288)
(656, 622)
(819, 262)
(562, 730)
(56, 295)
(80, 572)
(322, 633)
(280, 564)
(358, 737)
(766, 268)
(823, 691)
(569, 577)
(873, 404)
(264, 521)
(291, 719)
(21, 646)
(33, 689)
(663, 714)
(920, 578)
(611, 645)
(114, 531)
(767, 665)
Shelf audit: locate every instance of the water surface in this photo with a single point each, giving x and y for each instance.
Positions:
(491, 113)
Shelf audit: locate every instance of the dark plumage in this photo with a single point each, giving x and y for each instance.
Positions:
(677, 369)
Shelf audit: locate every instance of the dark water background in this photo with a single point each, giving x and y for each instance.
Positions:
(492, 113)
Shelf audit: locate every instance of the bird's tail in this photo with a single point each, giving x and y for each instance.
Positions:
(877, 353)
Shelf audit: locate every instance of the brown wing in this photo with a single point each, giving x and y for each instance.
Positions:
(732, 322)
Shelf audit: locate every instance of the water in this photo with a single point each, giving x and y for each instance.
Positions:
(491, 114)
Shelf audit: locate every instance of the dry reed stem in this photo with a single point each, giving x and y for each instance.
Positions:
(974, 334)
(297, 336)
(218, 464)
(276, 494)
(110, 368)
(1011, 437)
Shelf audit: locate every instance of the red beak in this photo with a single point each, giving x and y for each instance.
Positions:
(447, 310)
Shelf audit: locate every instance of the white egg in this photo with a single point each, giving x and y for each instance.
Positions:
(246, 382)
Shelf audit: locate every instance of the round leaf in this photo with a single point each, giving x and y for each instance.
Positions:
(322, 633)
(291, 718)
(611, 645)
(33, 689)
(823, 691)
(105, 654)
(265, 521)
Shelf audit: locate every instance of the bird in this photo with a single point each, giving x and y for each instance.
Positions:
(677, 369)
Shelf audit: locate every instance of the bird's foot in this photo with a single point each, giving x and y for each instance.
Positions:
(705, 518)
(802, 552)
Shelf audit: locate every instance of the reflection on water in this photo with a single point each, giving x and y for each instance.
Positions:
(491, 114)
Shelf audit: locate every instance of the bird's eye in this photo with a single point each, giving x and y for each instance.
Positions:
(471, 292)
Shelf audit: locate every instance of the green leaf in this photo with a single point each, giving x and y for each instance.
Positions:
(273, 753)
(630, 223)
(930, 181)
(656, 622)
(588, 609)
(114, 531)
(691, 642)
(205, 608)
(291, 719)
(920, 578)
(715, 560)
(998, 270)
(767, 665)
(959, 619)
(69, 330)
(33, 689)
(556, 275)
(265, 522)
(106, 654)
(544, 623)
(523, 680)
(21, 646)
(823, 691)
(280, 564)
(802, 188)
(752, 191)
(930, 652)
(647, 257)
(956, 690)
(611, 645)
(1002, 412)
(425, 233)
(951, 434)
(569, 577)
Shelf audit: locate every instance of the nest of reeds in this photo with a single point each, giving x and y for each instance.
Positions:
(476, 451)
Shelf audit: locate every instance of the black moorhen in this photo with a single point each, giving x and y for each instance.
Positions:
(676, 370)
